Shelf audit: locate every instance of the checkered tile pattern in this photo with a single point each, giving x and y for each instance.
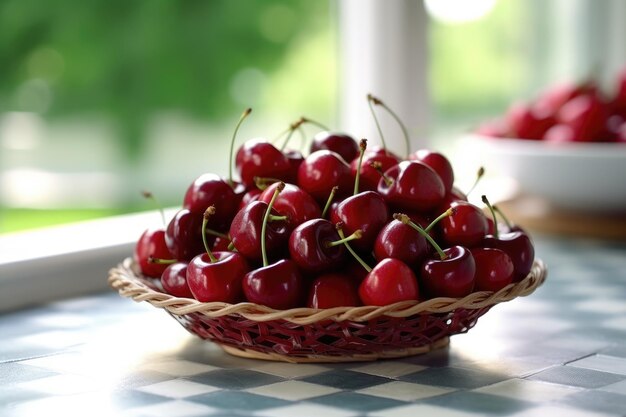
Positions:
(561, 351)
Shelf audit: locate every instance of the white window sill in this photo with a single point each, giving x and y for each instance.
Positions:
(65, 261)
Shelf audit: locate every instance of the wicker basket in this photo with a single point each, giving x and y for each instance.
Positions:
(341, 334)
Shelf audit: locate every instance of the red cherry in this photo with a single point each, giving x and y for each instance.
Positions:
(439, 163)
(370, 175)
(494, 269)
(340, 143)
(183, 236)
(390, 281)
(401, 191)
(321, 171)
(292, 202)
(493, 129)
(467, 226)
(529, 122)
(259, 158)
(400, 241)
(449, 277)
(553, 98)
(250, 196)
(174, 280)
(519, 248)
(218, 280)
(366, 211)
(333, 290)
(211, 190)
(152, 244)
(279, 285)
(295, 159)
(245, 231)
(309, 246)
(586, 115)
(221, 244)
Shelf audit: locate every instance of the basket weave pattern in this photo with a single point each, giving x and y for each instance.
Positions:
(331, 335)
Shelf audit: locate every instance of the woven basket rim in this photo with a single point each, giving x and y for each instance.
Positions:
(128, 283)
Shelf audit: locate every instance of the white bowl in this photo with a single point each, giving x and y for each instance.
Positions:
(587, 177)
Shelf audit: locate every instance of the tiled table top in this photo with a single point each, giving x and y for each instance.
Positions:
(560, 351)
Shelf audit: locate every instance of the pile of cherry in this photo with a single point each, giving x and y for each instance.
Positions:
(567, 112)
(346, 226)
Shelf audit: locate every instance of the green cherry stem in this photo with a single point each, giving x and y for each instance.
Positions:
(356, 235)
(446, 213)
(263, 182)
(153, 260)
(273, 218)
(339, 227)
(501, 214)
(379, 167)
(362, 148)
(479, 175)
(216, 233)
(407, 220)
(329, 201)
(314, 123)
(493, 214)
(205, 219)
(266, 217)
(245, 114)
(370, 99)
(393, 114)
(150, 196)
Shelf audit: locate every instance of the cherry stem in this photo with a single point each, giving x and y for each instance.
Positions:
(443, 215)
(273, 218)
(231, 246)
(493, 214)
(205, 219)
(232, 145)
(479, 175)
(150, 196)
(362, 148)
(371, 98)
(263, 182)
(506, 220)
(292, 128)
(339, 226)
(393, 114)
(314, 123)
(153, 260)
(266, 217)
(331, 197)
(379, 167)
(407, 220)
(356, 235)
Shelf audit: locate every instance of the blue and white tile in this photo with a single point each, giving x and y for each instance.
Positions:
(533, 391)
(177, 388)
(293, 390)
(307, 410)
(404, 391)
(388, 369)
(414, 410)
(602, 363)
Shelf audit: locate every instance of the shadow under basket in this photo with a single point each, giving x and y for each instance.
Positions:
(341, 334)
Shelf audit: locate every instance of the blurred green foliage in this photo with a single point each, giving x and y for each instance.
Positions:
(129, 59)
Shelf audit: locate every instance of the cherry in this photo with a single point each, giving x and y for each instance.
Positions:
(174, 280)
(439, 163)
(515, 244)
(494, 269)
(183, 235)
(221, 243)
(467, 226)
(151, 244)
(529, 122)
(366, 211)
(259, 158)
(321, 171)
(400, 241)
(412, 185)
(279, 285)
(586, 115)
(292, 202)
(340, 143)
(211, 190)
(493, 128)
(553, 98)
(374, 162)
(450, 275)
(390, 281)
(295, 159)
(311, 246)
(333, 290)
(245, 231)
(249, 197)
(216, 276)
(619, 102)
